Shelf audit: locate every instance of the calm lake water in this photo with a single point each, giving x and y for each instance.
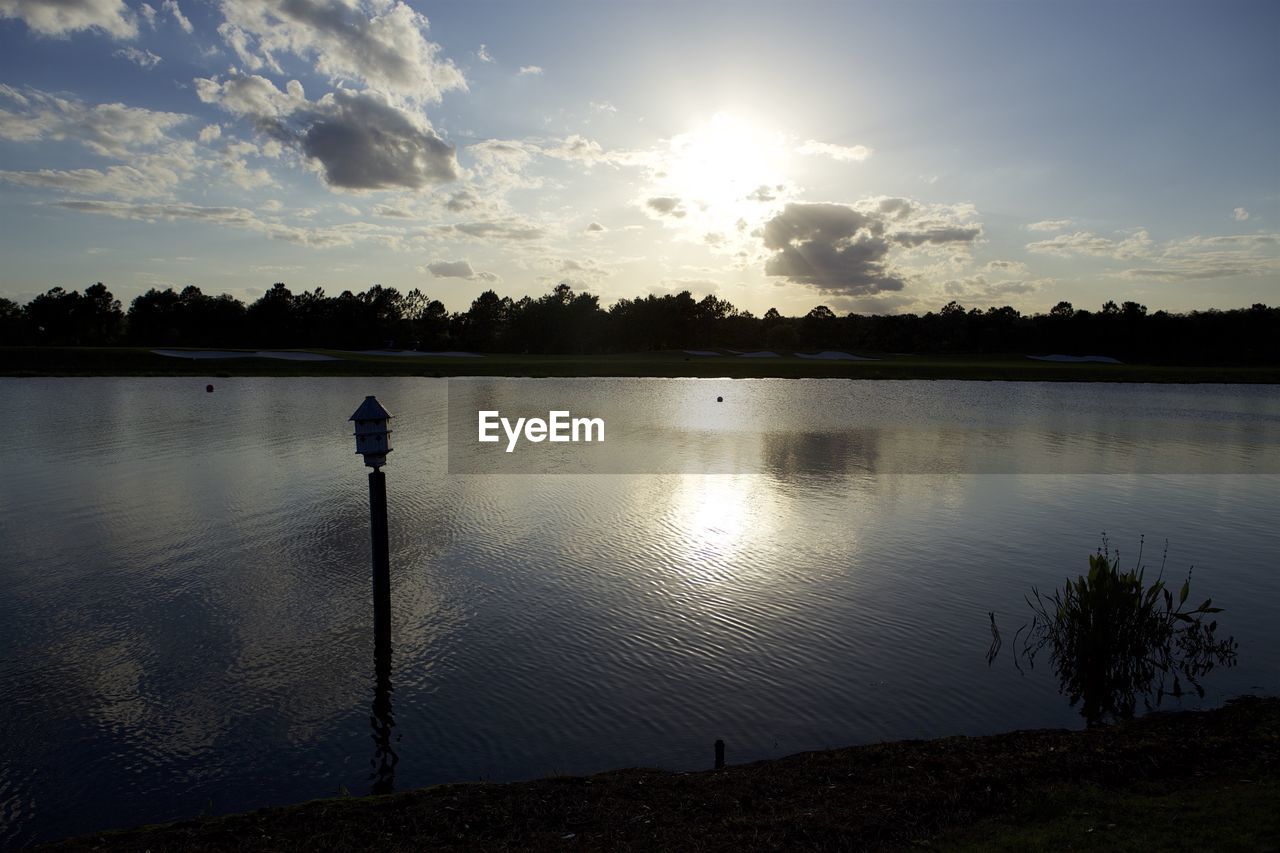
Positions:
(185, 618)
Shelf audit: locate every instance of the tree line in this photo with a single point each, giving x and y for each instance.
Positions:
(564, 321)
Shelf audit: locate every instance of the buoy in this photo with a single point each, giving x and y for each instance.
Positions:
(719, 399)
(208, 388)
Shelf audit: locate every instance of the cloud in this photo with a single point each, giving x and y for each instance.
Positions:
(112, 130)
(483, 54)
(238, 217)
(1005, 267)
(459, 269)
(59, 18)
(510, 229)
(1049, 225)
(141, 58)
(209, 133)
(1088, 243)
(251, 95)
(1239, 214)
(603, 107)
(157, 212)
(461, 201)
(1201, 258)
(529, 70)
(978, 289)
(1189, 259)
(830, 246)
(665, 206)
(577, 148)
(380, 43)
(844, 249)
(148, 13)
(171, 6)
(912, 224)
(501, 164)
(393, 212)
(765, 193)
(842, 153)
(595, 228)
(364, 143)
(151, 180)
(358, 139)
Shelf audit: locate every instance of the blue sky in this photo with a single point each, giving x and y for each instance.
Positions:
(877, 157)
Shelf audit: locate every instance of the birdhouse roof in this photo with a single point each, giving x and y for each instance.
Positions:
(371, 410)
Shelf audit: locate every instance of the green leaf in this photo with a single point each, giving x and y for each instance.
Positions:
(1186, 589)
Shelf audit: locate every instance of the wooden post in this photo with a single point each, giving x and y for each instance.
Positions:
(381, 561)
(719, 754)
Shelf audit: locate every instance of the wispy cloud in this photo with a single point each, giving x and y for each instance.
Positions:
(1050, 225)
(841, 153)
(141, 58)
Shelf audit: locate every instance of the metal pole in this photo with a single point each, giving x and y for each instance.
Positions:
(381, 562)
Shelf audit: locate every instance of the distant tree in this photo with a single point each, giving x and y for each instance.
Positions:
(1062, 310)
(65, 317)
(271, 318)
(14, 328)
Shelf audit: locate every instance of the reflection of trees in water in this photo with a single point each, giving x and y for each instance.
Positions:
(1114, 641)
(825, 455)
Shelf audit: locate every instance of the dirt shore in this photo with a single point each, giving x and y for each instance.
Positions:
(882, 796)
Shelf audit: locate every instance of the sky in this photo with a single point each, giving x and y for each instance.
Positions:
(871, 157)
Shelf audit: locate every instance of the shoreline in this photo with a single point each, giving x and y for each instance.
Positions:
(29, 362)
(949, 793)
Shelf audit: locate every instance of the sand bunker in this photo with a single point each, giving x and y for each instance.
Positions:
(764, 353)
(413, 353)
(1078, 359)
(833, 355)
(276, 354)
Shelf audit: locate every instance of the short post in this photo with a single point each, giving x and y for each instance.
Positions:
(373, 443)
(719, 754)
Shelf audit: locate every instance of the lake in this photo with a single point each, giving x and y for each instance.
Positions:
(185, 617)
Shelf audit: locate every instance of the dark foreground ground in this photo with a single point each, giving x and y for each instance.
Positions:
(1186, 781)
(140, 361)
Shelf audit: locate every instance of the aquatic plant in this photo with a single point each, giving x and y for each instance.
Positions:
(1113, 640)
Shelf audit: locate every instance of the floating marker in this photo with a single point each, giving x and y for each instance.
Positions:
(719, 399)
(208, 388)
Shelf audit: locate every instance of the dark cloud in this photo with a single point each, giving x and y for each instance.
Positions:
(461, 200)
(844, 249)
(666, 206)
(595, 227)
(495, 230)
(364, 143)
(451, 269)
(830, 246)
(938, 235)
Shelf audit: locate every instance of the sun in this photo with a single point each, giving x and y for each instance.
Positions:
(728, 170)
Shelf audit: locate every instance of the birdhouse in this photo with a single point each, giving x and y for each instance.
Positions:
(372, 434)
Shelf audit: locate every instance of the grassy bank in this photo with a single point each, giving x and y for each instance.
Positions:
(138, 361)
(1118, 788)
